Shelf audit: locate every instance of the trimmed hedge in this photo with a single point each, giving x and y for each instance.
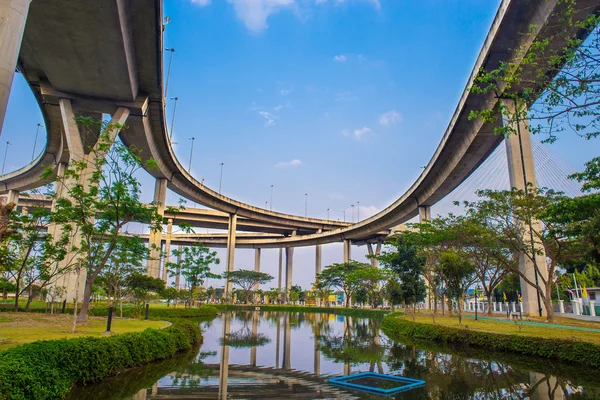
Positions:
(49, 369)
(158, 313)
(350, 312)
(560, 349)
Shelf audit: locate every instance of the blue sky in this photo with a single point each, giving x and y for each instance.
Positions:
(342, 99)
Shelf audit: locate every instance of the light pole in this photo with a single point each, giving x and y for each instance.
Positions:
(328, 214)
(169, 70)
(271, 208)
(358, 211)
(344, 215)
(35, 141)
(305, 205)
(352, 212)
(191, 153)
(221, 179)
(173, 119)
(5, 153)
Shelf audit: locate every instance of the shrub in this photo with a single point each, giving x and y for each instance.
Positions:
(561, 349)
(48, 369)
(158, 313)
(351, 312)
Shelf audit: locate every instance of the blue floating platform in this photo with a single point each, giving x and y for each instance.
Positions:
(373, 382)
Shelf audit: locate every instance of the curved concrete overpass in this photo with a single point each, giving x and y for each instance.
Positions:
(65, 55)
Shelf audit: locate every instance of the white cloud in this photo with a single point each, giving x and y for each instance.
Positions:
(357, 133)
(293, 163)
(390, 118)
(278, 107)
(340, 58)
(284, 92)
(255, 13)
(202, 3)
(269, 117)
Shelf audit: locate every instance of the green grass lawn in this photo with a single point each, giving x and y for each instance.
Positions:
(19, 328)
(511, 328)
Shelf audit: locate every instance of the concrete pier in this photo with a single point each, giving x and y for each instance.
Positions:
(13, 15)
(521, 171)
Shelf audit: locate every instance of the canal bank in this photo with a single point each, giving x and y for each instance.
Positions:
(48, 369)
(567, 344)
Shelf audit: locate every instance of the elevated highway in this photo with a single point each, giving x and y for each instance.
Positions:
(102, 58)
(92, 57)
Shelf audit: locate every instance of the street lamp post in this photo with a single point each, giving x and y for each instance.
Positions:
(358, 211)
(173, 119)
(221, 179)
(328, 214)
(271, 203)
(191, 154)
(352, 205)
(344, 215)
(476, 302)
(171, 50)
(35, 141)
(5, 153)
(305, 205)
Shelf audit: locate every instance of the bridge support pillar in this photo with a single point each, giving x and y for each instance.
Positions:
(347, 250)
(73, 281)
(155, 239)
(13, 197)
(424, 216)
(289, 266)
(178, 269)
(167, 258)
(280, 277)
(318, 262)
(521, 171)
(231, 233)
(13, 15)
(374, 254)
(256, 269)
(424, 213)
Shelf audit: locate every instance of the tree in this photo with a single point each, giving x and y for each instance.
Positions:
(492, 260)
(141, 287)
(458, 272)
(406, 266)
(296, 293)
(582, 214)
(246, 280)
(96, 198)
(30, 257)
(126, 260)
(520, 221)
(171, 294)
(274, 294)
(349, 278)
(432, 238)
(194, 266)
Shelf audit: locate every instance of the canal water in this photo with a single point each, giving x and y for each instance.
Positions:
(273, 355)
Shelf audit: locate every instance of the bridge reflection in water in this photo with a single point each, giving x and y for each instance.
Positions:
(272, 355)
